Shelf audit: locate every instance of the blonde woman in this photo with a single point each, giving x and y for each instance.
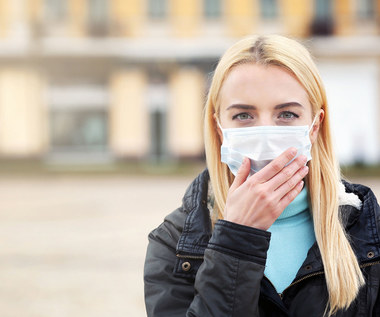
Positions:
(269, 229)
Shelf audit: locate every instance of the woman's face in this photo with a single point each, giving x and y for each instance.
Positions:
(256, 95)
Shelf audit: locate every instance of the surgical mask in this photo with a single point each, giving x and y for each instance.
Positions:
(262, 144)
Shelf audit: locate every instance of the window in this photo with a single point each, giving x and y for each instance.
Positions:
(79, 130)
(78, 119)
(269, 9)
(98, 11)
(323, 24)
(158, 150)
(98, 17)
(212, 8)
(157, 9)
(158, 100)
(55, 10)
(323, 9)
(366, 9)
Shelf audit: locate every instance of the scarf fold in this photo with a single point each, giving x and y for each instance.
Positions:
(292, 237)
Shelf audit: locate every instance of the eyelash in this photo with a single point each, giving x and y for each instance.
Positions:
(281, 115)
(240, 114)
(288, 113)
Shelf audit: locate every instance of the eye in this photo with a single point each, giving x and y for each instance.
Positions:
(242, 116)
(288, 115)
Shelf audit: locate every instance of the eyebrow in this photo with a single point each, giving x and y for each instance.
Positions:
(289, 104)
(241, 106)
(252, 107)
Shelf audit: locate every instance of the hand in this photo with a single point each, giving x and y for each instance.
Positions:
(259, 200)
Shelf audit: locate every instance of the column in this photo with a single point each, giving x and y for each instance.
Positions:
(298, 16)
(23, 114)
(18, 19)
(129, 121)
(344, 17)
(185, 112)
(185, 17)
(4, 17)
(77, 17)
(128, 17)
(378, 112)
(241, 16)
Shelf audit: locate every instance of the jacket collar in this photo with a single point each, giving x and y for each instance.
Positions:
(359, 209)
(360, 214)
(197, 229)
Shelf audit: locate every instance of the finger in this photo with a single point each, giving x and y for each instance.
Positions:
(289, 185)
(276, 165)
(291, 195)
(242, 174)
(288, 172)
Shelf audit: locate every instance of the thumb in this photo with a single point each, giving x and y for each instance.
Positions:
(242, 174)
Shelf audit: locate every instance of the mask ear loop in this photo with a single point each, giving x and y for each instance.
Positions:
(217, 121)
(312, 124)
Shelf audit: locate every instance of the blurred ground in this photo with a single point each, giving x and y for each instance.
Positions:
(75, 246)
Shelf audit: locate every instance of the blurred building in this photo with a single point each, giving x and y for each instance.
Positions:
(98, 79)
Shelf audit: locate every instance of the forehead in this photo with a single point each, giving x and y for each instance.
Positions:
(258, 84)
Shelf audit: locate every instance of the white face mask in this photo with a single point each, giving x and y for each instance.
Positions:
(262, 144)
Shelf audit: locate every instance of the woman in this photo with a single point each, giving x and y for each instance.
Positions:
(269, 229)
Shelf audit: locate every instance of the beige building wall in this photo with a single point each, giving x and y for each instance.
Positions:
(128, 116)
(23, 114)
(185, 17)
(185, 112)
(241, 16)
(128, 17)
(297, 16)
(378, 101)
(13, 19)
(23, 117)
(4, 18)
(77, 17)
(344, 17)
(34, 8)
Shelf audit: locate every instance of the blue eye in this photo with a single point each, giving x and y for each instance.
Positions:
(242, 116)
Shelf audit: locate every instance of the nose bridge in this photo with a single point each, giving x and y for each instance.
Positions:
(265, 118)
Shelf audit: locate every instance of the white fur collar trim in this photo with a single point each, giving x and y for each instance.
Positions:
(348, 198)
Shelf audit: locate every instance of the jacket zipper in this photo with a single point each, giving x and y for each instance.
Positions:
(200, 257)
(369, 264)
(320, 273)
(300, 280)
(193, 257)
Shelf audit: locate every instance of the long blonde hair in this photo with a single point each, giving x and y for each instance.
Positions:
(341, 268)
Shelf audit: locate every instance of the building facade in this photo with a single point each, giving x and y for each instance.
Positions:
(98, 79)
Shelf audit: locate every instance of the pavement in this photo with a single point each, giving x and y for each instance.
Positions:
(75, 246)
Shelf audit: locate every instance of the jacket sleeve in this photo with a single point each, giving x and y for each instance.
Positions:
(226, 284)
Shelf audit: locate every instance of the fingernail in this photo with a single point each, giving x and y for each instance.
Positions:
(305, 169)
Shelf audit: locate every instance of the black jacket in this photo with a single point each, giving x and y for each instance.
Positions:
(192, 270)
